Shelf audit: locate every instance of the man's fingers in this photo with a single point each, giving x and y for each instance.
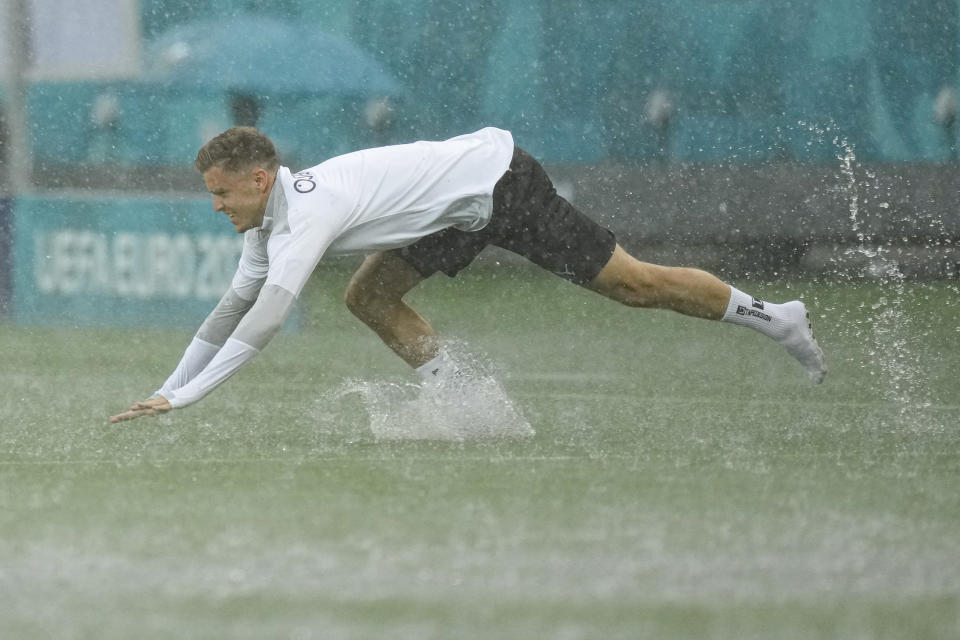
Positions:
(133, 413)
(128, 415)
(149, 407)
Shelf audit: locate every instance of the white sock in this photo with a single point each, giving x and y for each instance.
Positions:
(439, 369)
(769, 318)
(787, 323)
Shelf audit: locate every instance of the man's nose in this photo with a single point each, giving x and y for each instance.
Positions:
(217, 204)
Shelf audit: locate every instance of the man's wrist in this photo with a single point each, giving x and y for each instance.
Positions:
(171, 398)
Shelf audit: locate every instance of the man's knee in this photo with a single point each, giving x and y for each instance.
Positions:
(378, 286)
(629, 281)
(640, 285)
(363, 298)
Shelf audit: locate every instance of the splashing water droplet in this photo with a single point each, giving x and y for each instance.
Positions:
(471, 406)
(891, 360)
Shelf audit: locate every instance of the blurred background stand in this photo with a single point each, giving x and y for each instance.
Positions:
(254, 58)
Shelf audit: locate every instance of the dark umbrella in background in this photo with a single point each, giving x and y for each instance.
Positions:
(249, 57)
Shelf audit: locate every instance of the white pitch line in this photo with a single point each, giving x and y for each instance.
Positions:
(605, 395)
(307, 459)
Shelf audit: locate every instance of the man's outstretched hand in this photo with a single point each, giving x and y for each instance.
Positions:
(151, 407)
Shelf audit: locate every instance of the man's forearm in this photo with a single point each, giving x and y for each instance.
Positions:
(197, 355)
(251, 335)
(212, 334)
(223, 320)
(227, 361)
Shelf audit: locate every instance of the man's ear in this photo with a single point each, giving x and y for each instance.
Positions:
(261, 178)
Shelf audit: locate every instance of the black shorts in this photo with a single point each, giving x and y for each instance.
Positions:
(529, 219)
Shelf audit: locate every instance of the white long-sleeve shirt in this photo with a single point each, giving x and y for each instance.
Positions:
(370, 200)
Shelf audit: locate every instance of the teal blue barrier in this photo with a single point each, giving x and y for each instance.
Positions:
(124, 262)
(571, 79)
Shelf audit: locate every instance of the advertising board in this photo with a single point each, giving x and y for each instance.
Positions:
(119, 261)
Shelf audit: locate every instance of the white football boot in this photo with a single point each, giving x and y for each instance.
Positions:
(800, 342)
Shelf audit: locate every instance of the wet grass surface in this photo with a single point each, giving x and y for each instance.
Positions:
(685, 480)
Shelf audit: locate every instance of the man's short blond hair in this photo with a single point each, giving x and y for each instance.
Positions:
(235, 149)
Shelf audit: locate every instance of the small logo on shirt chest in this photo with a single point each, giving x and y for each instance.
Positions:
(304, 182)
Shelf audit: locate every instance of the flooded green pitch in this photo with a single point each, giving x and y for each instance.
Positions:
(676, 479)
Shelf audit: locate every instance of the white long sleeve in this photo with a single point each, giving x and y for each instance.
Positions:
(226, 362)
(213, 333)
(251, 335)
(197, 355)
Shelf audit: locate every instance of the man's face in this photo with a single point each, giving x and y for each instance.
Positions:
(242, 195)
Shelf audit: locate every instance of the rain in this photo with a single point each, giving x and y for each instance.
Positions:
(590, 470)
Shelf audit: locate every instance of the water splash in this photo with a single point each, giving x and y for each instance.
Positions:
(892, 356)
(472, 406)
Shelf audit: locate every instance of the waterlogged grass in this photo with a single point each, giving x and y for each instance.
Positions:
(684, 480)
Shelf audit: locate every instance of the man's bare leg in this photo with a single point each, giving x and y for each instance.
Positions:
(640, 284)
(375, 296)
(697, 293)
